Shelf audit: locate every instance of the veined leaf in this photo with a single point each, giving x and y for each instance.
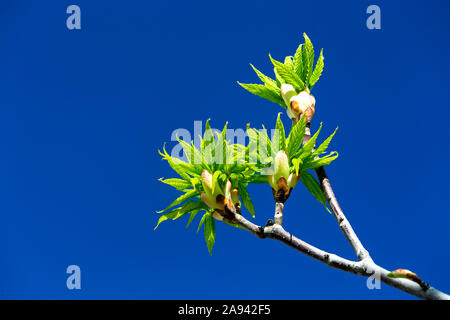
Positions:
(258, 178)
(188, 207)
(308, 148)
(309, 56)
(288, 74)
(317, 71)
(289, 62)
(297, 163)
(320, 162)
(264, 147)
(278, 78)
(263, 92)
(192, 216)
(177, 167)
(246, 201)
(282, 134)
(298, 63)
(186, 196)
(314, 188)
(178, 184)
(209, 231)
(267, 81)
(202, 220)
(215, 185)
(295, 138)
(192, 157)
(323, 146)
(208, 146)
(166, 216)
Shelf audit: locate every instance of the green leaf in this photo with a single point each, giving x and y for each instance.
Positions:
(166, 216)
(298, 63)
(308, 61)
(289, 62)
(181, 211)
(317, 71)
(188, 207)
(324, 145)
(186, 196)
(176, 164)
(202, 220)
(215, 185)
(288, 74)
(264, 147)
(178, 184)
(208, 144)
(263, 92)
(307, 149)
(267, 81)
(192, 156)
(314, 188)
(221, 148)
(278, 78)
(258, 179)
(246, 201)
(320, 162)
(196, 155)
(192, 216)
(282, 134)
(209, 231)
(297, 163)
(295, 138)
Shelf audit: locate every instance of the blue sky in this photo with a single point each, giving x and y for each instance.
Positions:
(84, 112)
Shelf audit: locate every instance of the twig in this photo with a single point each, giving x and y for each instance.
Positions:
(365, 267)
(344, 224)
(279, 213)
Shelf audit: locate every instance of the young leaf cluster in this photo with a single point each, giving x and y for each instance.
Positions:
(302, 157)
(297, 70)
(224, 161)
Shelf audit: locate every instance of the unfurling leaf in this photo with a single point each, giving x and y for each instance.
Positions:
(320, 162)
(267, 81)
(178, 184)
(317, 71)
(314, 188)
(188, 195)
(281, 133)
(263, 92)
(287, 73)
(209, 231)
(246, 201)
(295, 138)
(324, 145)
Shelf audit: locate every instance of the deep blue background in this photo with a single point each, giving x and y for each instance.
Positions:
(83, 114)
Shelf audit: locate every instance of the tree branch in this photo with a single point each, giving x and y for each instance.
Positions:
(279, 213)
(365, 267)
(344, 224)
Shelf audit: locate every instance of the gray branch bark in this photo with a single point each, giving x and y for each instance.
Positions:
(365, 266)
